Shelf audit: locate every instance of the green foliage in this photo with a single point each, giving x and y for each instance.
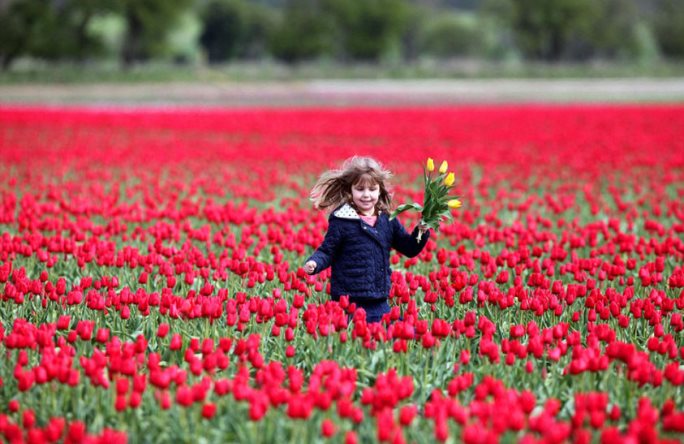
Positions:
(109, 29)
(50, 30)
(366, 29)
(65, 30)
(669, 27)
(148, 25)
(452, 34)
(20, 25)
(183, 40)
(575, 30)
(303, 33)
(545, 29)
(614, 31)
(340, 30)
(496, 21)
(618, 32)
(360, 30)
(234, 29)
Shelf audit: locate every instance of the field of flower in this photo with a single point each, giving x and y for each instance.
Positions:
(151, 287)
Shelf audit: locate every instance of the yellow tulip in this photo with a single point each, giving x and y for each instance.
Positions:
(449, 180)
(454, 203)
(443, 167)
(430, 164)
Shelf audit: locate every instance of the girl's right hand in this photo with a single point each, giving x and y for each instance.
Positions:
(310, 267)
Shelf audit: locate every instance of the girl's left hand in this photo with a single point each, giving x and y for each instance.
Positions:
(422, 228)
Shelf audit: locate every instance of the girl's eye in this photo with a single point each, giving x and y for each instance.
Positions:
(371, 189)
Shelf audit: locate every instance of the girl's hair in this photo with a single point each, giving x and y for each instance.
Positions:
(334, 186)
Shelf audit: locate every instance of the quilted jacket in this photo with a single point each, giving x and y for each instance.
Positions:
(359, 254)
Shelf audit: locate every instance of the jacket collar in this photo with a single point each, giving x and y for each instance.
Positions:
(346, 211)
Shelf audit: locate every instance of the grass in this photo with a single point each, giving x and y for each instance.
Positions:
(27, 71)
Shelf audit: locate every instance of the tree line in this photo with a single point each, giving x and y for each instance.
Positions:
(221, 31)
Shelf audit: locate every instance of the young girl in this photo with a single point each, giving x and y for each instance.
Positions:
(360, 234)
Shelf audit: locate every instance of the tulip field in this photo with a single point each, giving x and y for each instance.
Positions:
(152, 290)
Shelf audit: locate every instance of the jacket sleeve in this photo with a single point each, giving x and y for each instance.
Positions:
(324, 254)
(405, 243)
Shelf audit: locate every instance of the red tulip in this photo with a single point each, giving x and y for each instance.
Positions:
(327, 428)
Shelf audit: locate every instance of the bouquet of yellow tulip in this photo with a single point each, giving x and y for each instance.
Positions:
(437, 204)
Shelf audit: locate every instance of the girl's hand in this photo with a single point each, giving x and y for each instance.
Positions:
(422, 228)
(310, 267)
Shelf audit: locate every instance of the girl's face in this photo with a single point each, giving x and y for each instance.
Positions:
(365, 195)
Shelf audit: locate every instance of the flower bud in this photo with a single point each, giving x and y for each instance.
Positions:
(430, 164)
(443, 167)
(449, 180)
(454, 203)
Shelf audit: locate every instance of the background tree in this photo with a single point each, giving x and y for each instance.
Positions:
(452, 34)
(50, 30)
(619, 32)
(669, 27)
(497, 17)
(343, 30)
(304, 32)
(367, 29)
(65, 30)
(545, 29)
(20, 26)
(148, 23)
(234, 29)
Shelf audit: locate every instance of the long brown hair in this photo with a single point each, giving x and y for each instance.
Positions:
(333, 188)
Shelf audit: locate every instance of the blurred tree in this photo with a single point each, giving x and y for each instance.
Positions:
(234, 29)
(51, 30)
(545, 29)
(303, 33)
(411, 36)
(617, 32)
(65, 30)
(20, 25)
(496, 18)
(452, 34)
(148, 24)
(669, 27)
(366, 29)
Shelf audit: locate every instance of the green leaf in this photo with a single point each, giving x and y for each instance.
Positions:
(404, 207)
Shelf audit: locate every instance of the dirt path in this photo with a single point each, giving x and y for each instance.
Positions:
(347, 93)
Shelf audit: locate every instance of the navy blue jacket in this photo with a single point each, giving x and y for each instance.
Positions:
(359, 254)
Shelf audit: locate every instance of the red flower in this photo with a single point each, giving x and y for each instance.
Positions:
(120, 403)
(162, 330)
(184, 396)
(28, 419)
(176, 342)
(289, 351)
(13, 406)
(327, 428)
(76, 432)
(406, 414)
(350, 437)
(208, 410)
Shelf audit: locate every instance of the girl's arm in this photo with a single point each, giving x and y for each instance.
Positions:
(405, 243)
(324, 254)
